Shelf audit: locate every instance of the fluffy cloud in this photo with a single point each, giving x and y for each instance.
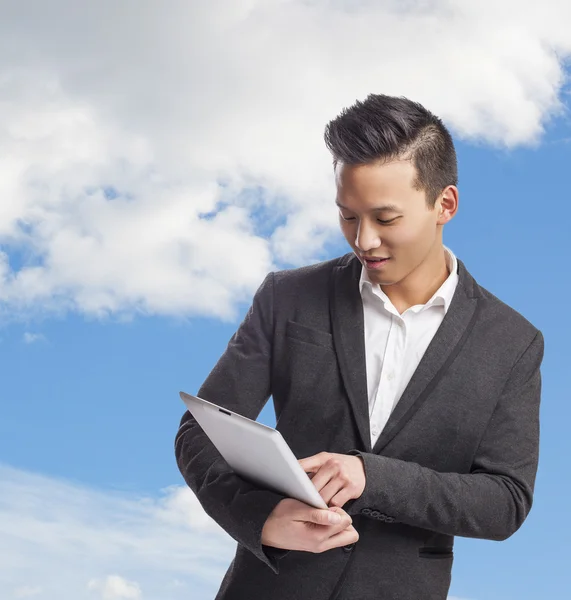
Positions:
(115, 587)
(162, 161)
(67, 541)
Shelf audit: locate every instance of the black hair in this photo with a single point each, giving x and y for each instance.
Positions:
(384, 128)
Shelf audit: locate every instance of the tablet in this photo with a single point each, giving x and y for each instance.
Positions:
(255, 451)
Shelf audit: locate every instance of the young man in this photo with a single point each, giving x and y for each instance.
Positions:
(410, 391)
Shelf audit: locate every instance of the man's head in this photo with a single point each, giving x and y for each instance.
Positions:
(392, 151)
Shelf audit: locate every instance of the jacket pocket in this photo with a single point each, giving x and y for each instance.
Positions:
(436, 552)
(303, 333)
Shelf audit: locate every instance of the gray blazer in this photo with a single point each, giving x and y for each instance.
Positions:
(458, 456)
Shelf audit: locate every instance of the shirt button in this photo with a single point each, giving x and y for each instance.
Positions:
(391, 376)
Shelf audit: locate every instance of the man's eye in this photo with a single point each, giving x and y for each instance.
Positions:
(378, 220)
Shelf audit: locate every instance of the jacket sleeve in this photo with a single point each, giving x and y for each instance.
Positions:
(240, 381)
(493, 500)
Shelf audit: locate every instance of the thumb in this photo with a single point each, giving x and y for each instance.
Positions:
(324, 517)
(340, 511)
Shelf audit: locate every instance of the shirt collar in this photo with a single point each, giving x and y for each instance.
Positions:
(442, 296)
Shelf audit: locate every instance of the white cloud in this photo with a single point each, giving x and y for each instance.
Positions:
(30, 338)
(67, 541)
(121, 128)
(115, 587)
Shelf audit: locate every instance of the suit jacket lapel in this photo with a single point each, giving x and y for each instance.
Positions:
(347, 324)
(348, 328)
(442, 350)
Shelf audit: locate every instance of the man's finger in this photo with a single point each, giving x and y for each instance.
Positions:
(309, 464)
(312, 463)
(343, 538)
(339, 499)
(326, 474)
(333, 488)
(321, 517)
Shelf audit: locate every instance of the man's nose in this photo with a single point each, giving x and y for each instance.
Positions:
(367, 238)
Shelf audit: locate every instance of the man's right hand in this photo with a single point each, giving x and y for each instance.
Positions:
(294, 525)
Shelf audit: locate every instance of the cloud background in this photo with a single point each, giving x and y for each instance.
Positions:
(61, 539)
(157, 162)
(123, 128)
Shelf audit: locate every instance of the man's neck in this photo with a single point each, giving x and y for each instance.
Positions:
(402, 300)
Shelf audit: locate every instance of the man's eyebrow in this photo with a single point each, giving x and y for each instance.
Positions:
(388, 207)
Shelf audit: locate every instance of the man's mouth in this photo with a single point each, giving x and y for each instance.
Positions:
(373, 263)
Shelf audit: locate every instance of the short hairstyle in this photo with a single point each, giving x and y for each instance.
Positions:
(384, 128)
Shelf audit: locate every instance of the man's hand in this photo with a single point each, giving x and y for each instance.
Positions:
(337, 477)
(294, 525)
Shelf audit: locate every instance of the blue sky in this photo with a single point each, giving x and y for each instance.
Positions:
(114, 301)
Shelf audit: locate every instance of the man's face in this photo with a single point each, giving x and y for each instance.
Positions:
(382, 215)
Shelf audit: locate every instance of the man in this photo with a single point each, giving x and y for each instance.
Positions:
(408, 390)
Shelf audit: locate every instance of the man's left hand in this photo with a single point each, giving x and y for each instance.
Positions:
(337, 477)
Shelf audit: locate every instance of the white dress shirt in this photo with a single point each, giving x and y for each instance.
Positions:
(395, 343)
